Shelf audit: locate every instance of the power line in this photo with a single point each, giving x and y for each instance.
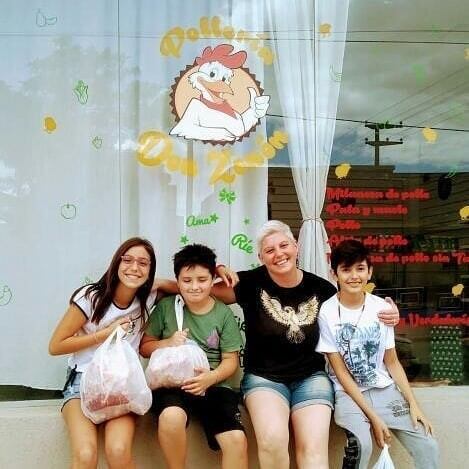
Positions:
(373, 116)
(362, 122)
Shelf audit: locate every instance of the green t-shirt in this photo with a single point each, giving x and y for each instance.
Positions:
(215, 332)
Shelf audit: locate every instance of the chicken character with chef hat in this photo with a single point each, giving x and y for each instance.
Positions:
(210, 116)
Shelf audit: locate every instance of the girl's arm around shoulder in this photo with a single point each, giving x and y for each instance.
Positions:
(398, 375)
(65, 340)
(164, 287)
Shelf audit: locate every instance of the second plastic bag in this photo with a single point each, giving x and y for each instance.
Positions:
(169, 367)
(384, 461)
(114, 384)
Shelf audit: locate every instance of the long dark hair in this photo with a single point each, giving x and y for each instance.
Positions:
(105, 288)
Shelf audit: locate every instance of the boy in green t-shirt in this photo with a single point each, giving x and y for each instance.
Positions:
(212, 325)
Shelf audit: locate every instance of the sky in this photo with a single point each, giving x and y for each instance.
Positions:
(423, 80)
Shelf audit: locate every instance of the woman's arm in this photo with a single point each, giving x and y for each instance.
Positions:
(380, 430)
(224, 293)
(200, 383)
(65, 340)
(398, 375)
(389, 316)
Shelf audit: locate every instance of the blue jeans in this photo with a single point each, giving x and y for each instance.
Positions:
(315, 389)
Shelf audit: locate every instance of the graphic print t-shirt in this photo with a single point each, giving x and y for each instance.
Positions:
(214, 332)
(281, 324)
(361, 344)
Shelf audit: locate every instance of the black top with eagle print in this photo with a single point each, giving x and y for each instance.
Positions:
(281, 324)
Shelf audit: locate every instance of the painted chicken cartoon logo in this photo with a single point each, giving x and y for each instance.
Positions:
(216, 99)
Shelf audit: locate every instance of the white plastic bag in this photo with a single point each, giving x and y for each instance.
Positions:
(384, 461)
(114, 384)
(169, 367)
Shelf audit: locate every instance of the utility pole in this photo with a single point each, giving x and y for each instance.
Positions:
(377, 126)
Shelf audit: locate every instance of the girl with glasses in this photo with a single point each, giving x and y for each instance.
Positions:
(121, 297)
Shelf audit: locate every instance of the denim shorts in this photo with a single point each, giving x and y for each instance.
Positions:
(315, 389)
(71, 389)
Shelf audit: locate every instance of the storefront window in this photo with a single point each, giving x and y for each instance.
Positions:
(358, 117)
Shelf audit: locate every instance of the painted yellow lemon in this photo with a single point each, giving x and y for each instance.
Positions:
(430, 135)
(49, 124)
(466, 53)
(369, 287)
(342, 170)
(325, 29)
(457, 289)
(464, 213)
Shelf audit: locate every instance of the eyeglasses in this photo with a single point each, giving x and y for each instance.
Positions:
(141, 261)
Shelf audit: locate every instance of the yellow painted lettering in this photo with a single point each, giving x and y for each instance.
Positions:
(192, 34)
(147, 142)
(222, 159)
(228, 32)
(172, 42)
(268, 150)
(254, 159)
(216, 26)
(266, 54)
(188, 167)
(239, 166)
(278, 139)
(205, 26)
(228, 177)
(173, 162)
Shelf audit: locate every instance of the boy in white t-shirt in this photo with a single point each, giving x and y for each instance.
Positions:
(371, 388)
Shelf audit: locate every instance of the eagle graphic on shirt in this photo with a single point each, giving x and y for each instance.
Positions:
(294, 319)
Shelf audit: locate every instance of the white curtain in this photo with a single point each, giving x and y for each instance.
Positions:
(309, 39)
(168, 198)
(81, 85)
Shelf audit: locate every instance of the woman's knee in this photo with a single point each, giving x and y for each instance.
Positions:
(273, 441)
(311, 455)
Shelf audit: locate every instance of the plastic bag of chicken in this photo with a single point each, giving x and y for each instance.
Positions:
(114, 383)
(169, 367)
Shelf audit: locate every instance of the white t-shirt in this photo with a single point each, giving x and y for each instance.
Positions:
(361, 344)
(83, 357)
